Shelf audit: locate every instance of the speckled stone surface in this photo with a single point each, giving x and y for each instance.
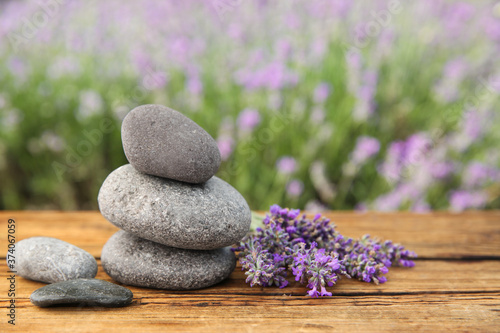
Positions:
(50, 260)
(135, 261)
(201, 217)
(162, 142)
(82, 292)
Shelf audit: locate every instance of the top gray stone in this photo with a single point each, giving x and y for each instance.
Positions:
(50, 260)
(162, 142)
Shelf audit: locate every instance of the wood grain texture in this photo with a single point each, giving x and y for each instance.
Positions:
(434, 235)
(454, 286)
(454, 277)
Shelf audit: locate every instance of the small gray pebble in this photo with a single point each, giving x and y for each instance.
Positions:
(82, 292)
(162, 142)
(200, 217)
(50, 260)
(135, 261)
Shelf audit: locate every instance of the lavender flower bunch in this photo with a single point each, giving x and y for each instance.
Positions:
(315, 253)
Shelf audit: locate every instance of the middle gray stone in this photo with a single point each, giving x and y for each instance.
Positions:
(189, 216)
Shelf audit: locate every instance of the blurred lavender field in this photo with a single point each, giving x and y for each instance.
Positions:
(316, 104)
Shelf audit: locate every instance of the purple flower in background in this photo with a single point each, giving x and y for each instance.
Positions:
(282, 48)
(455, 68)
(225, 144)
(417, 146)
(193, 83)
(141, 60)
(441, 170)
(248, 119)
(321, 92)
(492, 28)
(64, 66)
(392, 201)
(354, 60)
(393, 164)
(478, 174)
(456, 16)
(289, 78)
(273, 76)
(370, 78)
(388, 202)
(318, 49)
(17, 67)
(403, 154)
(294, 188)
(453, 74)
(361, 207)
(286, 165)
(366, 147)
(472, 124)
(365, 94)
(421, 206)
(461, 200)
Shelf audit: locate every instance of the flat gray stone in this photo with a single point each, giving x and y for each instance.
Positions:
(50, 260)
(188, 216)
(82, 292)
(162, 142)
(135, 261)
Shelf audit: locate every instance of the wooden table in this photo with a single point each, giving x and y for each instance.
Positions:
(454, 286)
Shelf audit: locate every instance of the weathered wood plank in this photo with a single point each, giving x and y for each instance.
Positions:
(435, 235)
(473, 312)
(426, 277)
(437, 294)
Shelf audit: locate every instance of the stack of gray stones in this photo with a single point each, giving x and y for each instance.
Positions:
(177, 219)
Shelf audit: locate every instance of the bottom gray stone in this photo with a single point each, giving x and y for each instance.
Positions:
(139, 262)
(82, 292)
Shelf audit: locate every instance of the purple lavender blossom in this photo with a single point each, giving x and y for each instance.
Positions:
(365, 94)
(477, 174)
(286, 165)
(321, 92)
(461, 200)
(448, 86)
(402, 154)
(315, 252)
(441, 170)
(455, 68)
(294, 188)
(421, 206)
(194, 84)
(366, 147)
(456, 16)
(263, 268)
(315, 268)
(472, 124)
(273, 76)
(404, 192)
(417, 146)
(492, 28)
(248, 119)
(225, 144)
